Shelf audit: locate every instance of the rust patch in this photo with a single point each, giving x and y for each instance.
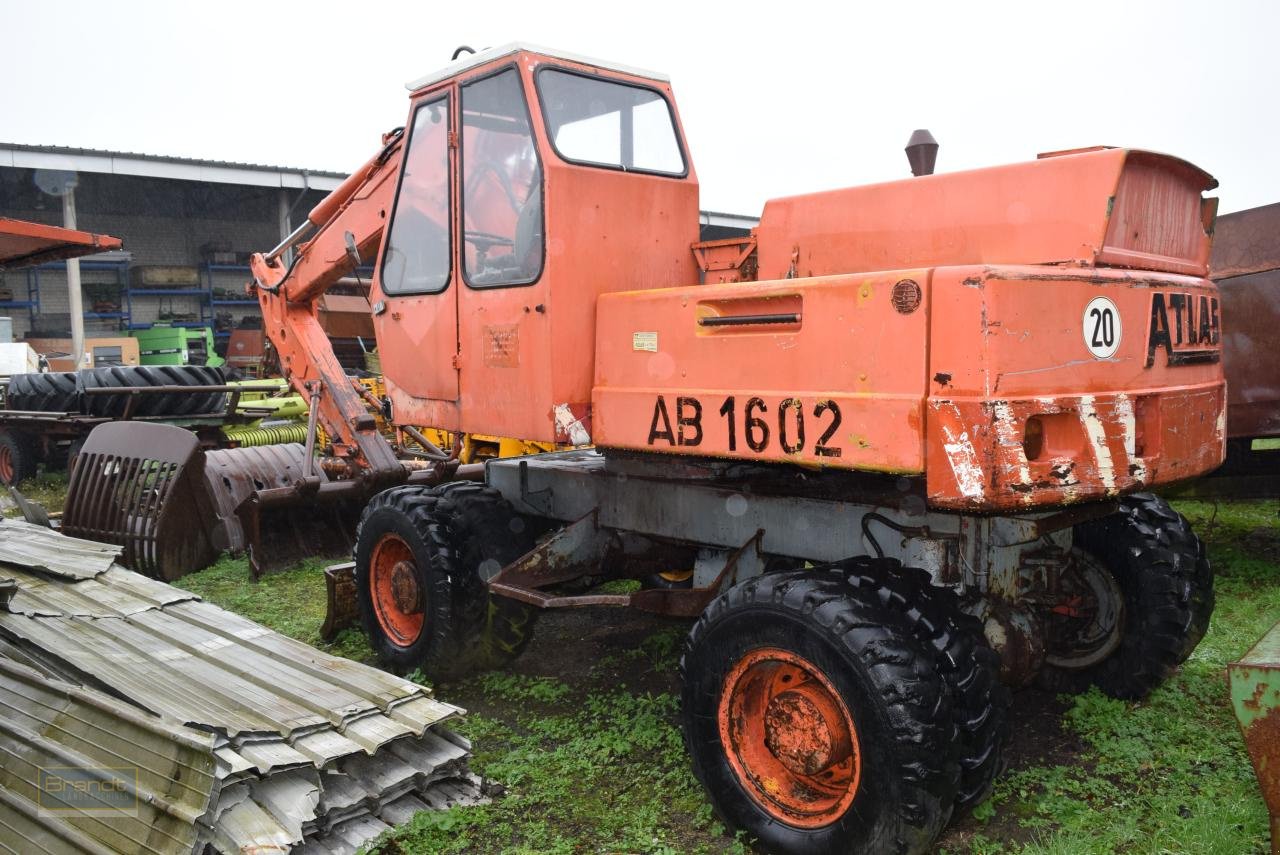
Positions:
(1262, 738)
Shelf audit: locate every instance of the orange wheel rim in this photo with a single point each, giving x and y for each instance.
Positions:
(6, 464)
(397, 600)
(790, 738)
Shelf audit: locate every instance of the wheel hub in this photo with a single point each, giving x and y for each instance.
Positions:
(404, 588)
(804, 730)
(1087, 623)
(394, 590)
(789, 738)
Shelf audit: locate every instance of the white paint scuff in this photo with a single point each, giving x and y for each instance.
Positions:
(1128, 423)
(570, 426)
(1010, 442)
(961, 454)
(1098, 439)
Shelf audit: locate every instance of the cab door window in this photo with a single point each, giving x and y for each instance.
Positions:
(417, 258)
(501, 185)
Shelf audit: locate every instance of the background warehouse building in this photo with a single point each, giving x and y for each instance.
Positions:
(188, 228)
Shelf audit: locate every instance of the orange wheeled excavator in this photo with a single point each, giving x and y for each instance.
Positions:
(897, 438)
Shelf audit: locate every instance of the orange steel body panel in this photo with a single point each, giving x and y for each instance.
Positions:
(981, 376)
(851, 372)
(1008, 345)
(1074, 207)
(523, 355)
(945, 390)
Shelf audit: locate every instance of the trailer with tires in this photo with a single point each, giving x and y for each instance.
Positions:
(47, 416)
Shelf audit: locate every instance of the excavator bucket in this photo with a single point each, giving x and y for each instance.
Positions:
(174, 508)
(141, 485)
(276, 533)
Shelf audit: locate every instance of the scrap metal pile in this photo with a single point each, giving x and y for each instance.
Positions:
(217, 732)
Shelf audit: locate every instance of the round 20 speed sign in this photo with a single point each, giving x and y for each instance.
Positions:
(1101, 327)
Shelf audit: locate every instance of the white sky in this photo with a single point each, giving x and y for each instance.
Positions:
(777, 98)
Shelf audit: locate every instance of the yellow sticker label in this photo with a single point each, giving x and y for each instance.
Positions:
(645, 341)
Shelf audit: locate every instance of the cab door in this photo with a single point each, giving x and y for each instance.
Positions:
(415, 294)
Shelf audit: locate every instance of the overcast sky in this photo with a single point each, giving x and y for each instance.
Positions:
(776, 98)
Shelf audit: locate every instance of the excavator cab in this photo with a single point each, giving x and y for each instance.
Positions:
(502, 149)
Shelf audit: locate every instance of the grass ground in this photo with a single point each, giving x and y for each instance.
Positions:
(582, 732)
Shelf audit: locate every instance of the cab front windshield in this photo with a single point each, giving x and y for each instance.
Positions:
(501, 184)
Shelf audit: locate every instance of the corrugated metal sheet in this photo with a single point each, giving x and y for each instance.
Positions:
(48, 724)
(36, 547)
(310, 748)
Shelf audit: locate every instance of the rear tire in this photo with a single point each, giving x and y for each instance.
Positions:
(18, 458)
(858, 657)
(1167, 586)
(457, 536)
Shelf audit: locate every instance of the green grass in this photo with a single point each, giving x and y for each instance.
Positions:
(592, 761)
(48, 489)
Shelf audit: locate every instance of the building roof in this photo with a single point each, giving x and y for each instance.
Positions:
(107, 162)
(227, 172)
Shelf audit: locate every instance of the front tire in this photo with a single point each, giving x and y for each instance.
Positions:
(817, 719)
(423, 556)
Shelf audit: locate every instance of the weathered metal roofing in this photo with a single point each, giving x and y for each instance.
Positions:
(62, 732)
(40, 548)
(311, 750)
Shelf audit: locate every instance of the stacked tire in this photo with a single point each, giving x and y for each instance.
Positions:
(55, 392)
(63, 391)
(176, 404)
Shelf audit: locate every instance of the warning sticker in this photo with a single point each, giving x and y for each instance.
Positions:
(645, 341)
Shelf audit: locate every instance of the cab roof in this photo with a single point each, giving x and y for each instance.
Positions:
(489, 54)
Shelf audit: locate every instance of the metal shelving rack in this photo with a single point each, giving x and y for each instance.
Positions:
(120, 268)
(197, 292)
(207, 271)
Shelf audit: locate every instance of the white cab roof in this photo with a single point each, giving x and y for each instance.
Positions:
(489, 54)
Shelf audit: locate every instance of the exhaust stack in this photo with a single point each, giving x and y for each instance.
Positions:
(922, 152)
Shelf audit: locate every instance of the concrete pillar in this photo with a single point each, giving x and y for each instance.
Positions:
(282, 214)
(75, 297)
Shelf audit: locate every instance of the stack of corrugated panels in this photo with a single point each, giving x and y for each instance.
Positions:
(241, 739)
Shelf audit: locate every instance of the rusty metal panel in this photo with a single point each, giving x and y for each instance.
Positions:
(1254, 682)
(1246, 265)
(1246, 242)
(1251, 352)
